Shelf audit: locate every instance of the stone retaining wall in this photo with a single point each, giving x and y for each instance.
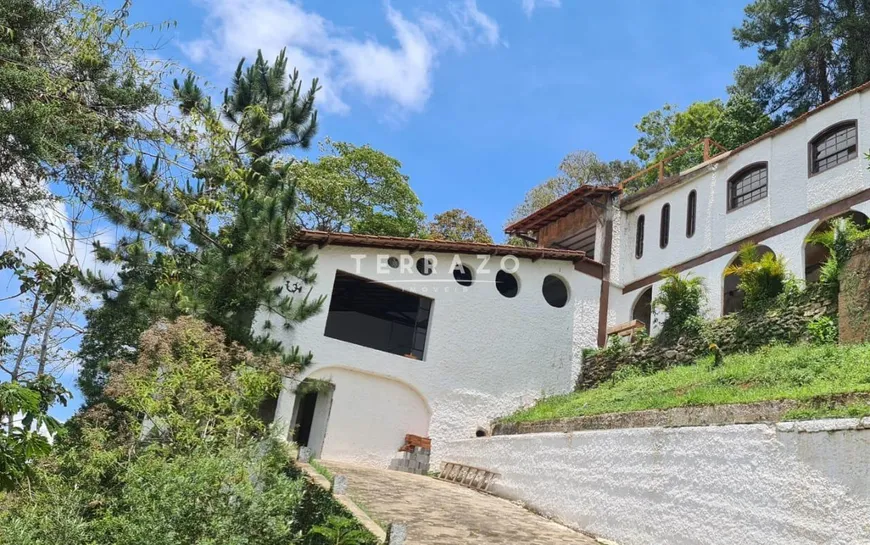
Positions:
(740, 332)
(794, 483)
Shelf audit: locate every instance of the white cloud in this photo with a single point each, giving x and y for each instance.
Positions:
(530, 5)
(399, 71)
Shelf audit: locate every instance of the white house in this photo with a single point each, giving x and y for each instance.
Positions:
(431, 338)
(773, 191)
(437, 338)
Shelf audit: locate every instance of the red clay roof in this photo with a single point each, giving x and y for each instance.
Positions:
(559, 208)
(322, 238)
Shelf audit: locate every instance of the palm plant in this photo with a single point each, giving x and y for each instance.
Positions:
(840, 240)
(681, 298)
(762, 276)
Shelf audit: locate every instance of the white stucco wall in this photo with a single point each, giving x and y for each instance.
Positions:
(790, 484)
(791, 193)
(485, 356)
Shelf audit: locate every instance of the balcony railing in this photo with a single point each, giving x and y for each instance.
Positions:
(660, 170)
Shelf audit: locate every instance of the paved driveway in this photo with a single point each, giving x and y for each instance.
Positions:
(440, 513)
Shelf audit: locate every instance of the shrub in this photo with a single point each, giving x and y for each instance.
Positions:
(681, 298)
(762, 277)
(822, 330)
(840, 240)
(193, 386)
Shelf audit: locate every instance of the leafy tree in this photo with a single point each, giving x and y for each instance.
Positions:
(73, 92)
(212, 226)
(193, 386)
(576, 169)
(809, 51)
(459, 226)
(357, 189)
(667, 130)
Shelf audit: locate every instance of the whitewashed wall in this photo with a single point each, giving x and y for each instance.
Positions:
(789, 484)
(791, 193)
(486, 355)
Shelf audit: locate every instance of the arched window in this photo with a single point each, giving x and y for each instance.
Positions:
(834, 146)
(665, 226)
(747, 186)
(638, 237)
(691, 209)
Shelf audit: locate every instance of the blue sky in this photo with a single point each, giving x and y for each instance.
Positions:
(479, 100)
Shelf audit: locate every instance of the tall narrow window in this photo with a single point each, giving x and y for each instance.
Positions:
(638, 237)
(747, 186)
(691, 209)
(835, 146)
(665, 226)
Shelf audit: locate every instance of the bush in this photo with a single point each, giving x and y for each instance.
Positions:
(681, 298)
(822, 330)
(840, 240)
(762, 277)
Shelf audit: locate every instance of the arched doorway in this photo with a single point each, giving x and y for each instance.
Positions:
(361, 417)
(733, 295)
(642, 310)
(815, 255)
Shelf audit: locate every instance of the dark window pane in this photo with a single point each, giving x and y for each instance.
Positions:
(834, 147)
(555, 291)
(665, 227)
(691, 210)
(506, 284)
(378, 316)
(747, 187)
(638, 237)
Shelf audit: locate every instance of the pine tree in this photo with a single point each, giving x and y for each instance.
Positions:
(809, 51)
(211, 219)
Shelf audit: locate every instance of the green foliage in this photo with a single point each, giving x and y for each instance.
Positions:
(73, 93)
(808, 52)
(342, 531)
(822, 330)
(322, 469)
(458, 226)
(840, 240)
(207, 238)
(194, 387)
(233, 495)
(576, 169)
(681, 298)
(665, 131)
(762, 277)
(357, 189)
(24, 413)
(801, 372)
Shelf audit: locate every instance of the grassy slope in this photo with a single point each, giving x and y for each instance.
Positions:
(779, 372)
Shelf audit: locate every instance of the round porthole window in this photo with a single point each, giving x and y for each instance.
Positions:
(462, 275)
(506, 284)
(555, 291)
(425, 266)
(393, 262)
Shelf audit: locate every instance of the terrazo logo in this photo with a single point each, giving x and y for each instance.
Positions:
(428, 273)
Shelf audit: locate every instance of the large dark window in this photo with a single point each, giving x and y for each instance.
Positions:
(638, 237)
(833, 147)
(665, 226)
(691, 211)
(378, 316)
(747, 186)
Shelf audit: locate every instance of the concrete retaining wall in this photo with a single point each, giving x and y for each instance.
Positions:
(787, 483)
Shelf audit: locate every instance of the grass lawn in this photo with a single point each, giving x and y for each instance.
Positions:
(777, 372)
